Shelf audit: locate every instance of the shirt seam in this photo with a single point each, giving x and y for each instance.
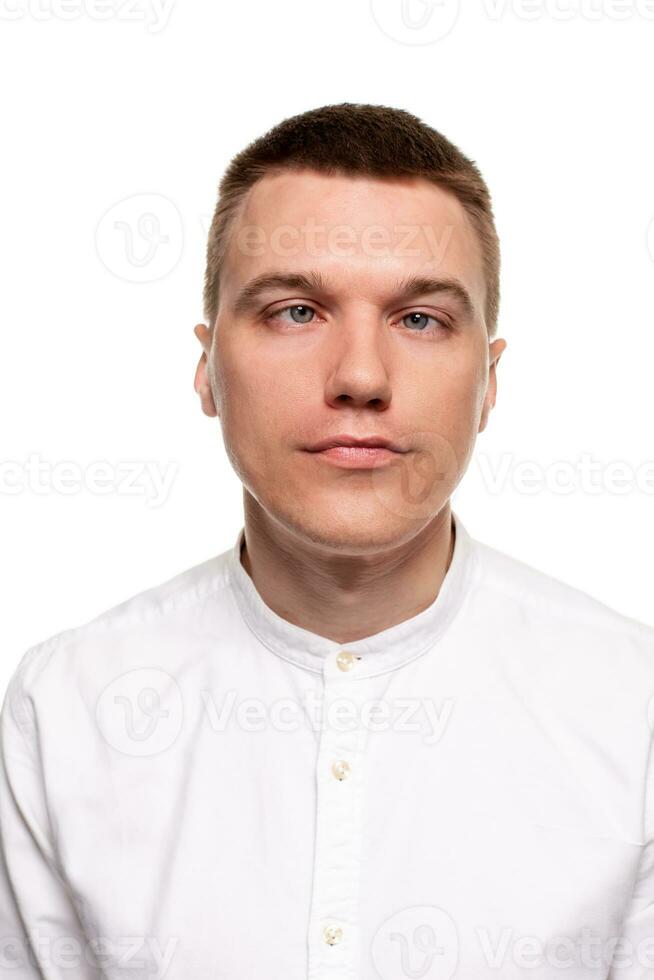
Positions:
(627, 626)
(178, 601)
(467, 587)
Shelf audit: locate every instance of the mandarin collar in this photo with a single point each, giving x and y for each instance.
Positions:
(376, 654)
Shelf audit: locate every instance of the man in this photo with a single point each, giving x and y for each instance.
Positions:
(359, 743)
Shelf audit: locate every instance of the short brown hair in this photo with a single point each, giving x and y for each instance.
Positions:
(349, 138)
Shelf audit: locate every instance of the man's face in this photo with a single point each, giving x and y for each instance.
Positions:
(348, 352)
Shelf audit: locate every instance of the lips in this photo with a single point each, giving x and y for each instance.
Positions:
(361, 442)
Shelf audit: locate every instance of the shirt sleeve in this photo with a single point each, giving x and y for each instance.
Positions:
(633, 957)
(40, 932)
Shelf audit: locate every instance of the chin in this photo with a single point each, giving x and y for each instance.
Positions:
(354, 529)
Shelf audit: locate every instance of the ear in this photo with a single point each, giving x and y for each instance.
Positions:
(495, 351)
(201, 381)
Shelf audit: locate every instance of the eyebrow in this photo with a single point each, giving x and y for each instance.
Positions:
(406, 289)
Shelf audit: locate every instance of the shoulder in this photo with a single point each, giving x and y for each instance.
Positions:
(134, 631)
(519, 594)
(582, 670)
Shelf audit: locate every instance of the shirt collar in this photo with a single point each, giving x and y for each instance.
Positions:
(380, 652)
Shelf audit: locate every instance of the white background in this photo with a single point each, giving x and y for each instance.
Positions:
(105, 101)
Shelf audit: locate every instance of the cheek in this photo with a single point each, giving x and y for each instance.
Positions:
(453, 394)
(246, 373)
(451, 406)
(264, 390)
(257, 409)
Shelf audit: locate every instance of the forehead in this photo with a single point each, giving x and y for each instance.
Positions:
(357, 230)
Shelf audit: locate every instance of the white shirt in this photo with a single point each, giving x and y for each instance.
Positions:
(172, 806)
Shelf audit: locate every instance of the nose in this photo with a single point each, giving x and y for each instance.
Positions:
(358, 366)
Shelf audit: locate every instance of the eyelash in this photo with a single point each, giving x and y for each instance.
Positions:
(442, 321)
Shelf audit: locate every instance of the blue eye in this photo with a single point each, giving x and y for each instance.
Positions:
(304, 313)
(417, 320)
(301, 313)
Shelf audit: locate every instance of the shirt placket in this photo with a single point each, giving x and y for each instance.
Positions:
(333, 940)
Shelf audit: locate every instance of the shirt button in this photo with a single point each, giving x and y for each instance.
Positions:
(346, 660)
(340, 769)
(332, 935)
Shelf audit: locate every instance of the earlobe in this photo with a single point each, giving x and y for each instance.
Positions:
(495, 352)
(201, 380)
(485, 412)
(201, 385)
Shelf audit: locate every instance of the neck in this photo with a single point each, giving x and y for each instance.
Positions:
(340, 596)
